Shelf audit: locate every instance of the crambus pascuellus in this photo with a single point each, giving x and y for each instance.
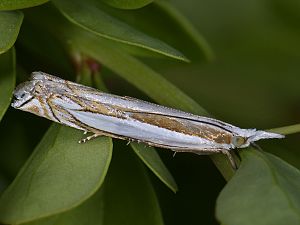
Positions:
(90, 110)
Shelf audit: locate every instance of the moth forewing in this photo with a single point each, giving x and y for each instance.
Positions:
(136, 130)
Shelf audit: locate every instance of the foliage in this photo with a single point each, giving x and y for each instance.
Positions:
(63, 182)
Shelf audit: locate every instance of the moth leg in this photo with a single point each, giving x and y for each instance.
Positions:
(97, 134)
(84, 140)
(231, 159)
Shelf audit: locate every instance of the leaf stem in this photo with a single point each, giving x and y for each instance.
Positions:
(291, 129)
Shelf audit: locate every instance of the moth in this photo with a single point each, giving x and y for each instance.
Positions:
(100, 113)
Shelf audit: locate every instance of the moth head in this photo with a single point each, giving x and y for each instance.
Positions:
(28, 97)
(23, 94)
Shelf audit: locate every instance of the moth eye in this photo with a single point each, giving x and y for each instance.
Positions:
(238, 141)
(18, 96)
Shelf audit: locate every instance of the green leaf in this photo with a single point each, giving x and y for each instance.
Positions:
(59, 175)
(127, 4)
(44, 49)
(265, 190)
(19, 4)
(90, 212)
(9, 28)
(126, 197)
(90, 16)
(150, 157)
(185, 25)
(7, 79)
(130, 197)
(159, 20)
